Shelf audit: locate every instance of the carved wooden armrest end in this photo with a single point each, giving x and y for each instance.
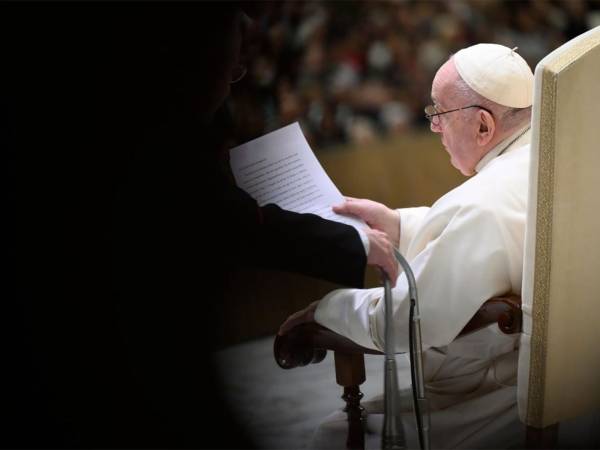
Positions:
(296, 348)
(308, 344)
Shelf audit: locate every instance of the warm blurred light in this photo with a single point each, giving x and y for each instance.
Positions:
(351, 71)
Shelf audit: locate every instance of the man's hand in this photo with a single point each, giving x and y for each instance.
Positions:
(381, 219)
(381, 254)
(376, 215)
(305, 315)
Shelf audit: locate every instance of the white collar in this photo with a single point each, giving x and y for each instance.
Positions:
(501, 147)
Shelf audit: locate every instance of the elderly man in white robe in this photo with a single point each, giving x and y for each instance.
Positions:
(464, 249)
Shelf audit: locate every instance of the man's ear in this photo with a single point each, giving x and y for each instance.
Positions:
(487, 127)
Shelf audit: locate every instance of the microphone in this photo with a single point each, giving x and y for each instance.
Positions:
(393, 437)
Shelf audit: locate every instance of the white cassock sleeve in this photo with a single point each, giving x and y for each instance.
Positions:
(459, 258)
(410, 222)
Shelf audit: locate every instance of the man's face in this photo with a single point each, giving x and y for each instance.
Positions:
(224, 55)
(457, 129)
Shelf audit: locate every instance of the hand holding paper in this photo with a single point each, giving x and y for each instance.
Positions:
(281, 168)
(376, 215)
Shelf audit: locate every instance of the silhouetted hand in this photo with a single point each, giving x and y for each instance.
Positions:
(305, 315)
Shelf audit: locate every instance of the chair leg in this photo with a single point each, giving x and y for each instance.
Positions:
(542, 438)
(350, 373)
(356, 425)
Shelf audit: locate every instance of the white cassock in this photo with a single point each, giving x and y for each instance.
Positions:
(463, 250)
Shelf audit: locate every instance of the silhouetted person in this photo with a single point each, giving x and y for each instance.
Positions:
(121, 204)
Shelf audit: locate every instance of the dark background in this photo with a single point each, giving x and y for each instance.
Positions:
(111, 326)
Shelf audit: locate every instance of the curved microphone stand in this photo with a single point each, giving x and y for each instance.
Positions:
(393, 437)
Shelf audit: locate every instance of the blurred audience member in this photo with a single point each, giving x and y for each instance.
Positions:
(351, 71)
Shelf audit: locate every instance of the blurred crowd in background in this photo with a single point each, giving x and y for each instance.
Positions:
(350, 71)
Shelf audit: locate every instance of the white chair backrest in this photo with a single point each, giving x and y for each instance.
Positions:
(559, 362)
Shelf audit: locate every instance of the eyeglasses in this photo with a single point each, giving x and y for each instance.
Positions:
(432, 113)
(238, 73)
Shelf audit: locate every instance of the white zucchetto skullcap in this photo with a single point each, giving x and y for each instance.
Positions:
(497, 73)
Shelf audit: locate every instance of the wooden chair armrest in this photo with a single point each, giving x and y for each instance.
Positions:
(308, 343)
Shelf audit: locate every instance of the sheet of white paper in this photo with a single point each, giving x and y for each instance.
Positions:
(281, 168)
